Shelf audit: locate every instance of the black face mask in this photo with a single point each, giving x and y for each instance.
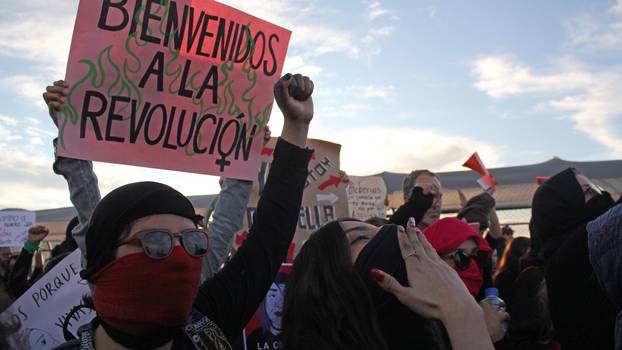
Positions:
(383, 252)
(597, 206)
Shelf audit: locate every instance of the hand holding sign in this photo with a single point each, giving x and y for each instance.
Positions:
(55, 96)
(293, 96)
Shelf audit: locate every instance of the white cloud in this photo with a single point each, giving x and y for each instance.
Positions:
(377, 33)
(617, 7)
(590, 98)
(31, 87)
(317, 40)
(372, 150)
(375, 10)
(298, 64)
(39, 37)
(501, 76)
(603, 31)
(6, 120)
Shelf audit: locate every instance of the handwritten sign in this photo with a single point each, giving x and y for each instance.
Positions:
(366, 197)
(14, 226)
(324, 199)
(264, 329)
(42, 310)
(182, 85)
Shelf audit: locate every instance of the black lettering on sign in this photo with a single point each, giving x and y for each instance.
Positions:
(92, 115)
(205, 33)
(103, 15)
(270, 72)
(156, 67)
(112, 117)
(147, 16)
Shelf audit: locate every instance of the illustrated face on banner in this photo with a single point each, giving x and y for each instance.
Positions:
(263, 331)
(273, 307)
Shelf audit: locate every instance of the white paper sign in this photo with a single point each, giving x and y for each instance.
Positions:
(44, 307)
(366, 197)
(14, 226)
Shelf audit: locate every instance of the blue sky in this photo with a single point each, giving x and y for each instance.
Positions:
(400, 84)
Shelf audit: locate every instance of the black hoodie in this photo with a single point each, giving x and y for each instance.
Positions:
(582, 316)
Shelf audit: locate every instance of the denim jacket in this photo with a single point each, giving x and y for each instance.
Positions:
(605, 247)
(228, 212)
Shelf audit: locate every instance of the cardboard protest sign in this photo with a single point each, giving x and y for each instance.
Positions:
(263, 330)
(475, 163)
(183, 85)
(42, 310)
(14, 226)
(366, 197)
(324, 199)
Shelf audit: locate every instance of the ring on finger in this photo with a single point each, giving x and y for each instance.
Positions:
(411, 255)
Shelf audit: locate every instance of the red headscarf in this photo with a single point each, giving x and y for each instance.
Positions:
(446, 235)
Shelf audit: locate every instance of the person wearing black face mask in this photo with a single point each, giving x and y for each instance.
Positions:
(346, 291)
(582, 316)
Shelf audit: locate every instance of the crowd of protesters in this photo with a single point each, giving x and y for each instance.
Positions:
(410, 281)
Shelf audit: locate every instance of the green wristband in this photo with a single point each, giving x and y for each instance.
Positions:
(31, 247)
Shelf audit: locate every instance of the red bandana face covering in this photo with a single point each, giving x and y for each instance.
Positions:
(472, 278)
(136, 293)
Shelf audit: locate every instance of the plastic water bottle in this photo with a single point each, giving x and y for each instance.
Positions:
(492, 299)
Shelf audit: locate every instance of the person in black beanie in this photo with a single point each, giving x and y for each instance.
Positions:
(478, 209)
(583, 317)
(144, 249)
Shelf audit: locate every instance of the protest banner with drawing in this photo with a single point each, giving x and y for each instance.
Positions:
(263, 331)
(43, 308)
(324, 199)
(14, 226)
(366, 197)
(183, 85)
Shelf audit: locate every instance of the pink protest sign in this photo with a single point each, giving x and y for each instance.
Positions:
(182, 85)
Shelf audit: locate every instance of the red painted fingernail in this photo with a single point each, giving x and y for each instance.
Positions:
(377, 274)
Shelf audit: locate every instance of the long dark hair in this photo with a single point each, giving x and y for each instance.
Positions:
(327, 305)
(511, 261)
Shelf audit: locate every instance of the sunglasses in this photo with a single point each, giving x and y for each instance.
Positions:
(462, 259)
(159, 243)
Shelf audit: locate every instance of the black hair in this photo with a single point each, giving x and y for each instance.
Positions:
(511, 260)
(326, 304)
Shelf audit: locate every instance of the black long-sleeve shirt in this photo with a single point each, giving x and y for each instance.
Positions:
(232, 296)
(18, 282)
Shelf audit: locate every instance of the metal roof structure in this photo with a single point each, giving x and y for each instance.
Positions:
(516, 184)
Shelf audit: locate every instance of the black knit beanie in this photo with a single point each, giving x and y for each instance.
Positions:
(120, 208)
